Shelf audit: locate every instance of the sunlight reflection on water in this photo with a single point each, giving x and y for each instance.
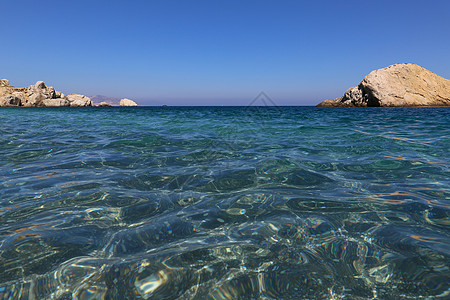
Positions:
(224, 203)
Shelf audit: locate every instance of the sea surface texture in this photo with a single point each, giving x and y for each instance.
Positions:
(224, 203)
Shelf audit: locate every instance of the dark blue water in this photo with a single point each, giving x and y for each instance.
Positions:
(224, 203)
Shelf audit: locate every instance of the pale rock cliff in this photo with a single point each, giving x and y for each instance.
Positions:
(127, 102)
(79, 100)
(397, 85)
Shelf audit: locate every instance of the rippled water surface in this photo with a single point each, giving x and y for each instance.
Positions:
(224, 203)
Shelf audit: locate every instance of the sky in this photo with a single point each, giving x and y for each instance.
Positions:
(211, 52)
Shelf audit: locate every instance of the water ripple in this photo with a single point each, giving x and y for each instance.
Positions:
(224, 203)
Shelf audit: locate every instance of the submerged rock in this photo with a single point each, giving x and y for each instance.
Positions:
(397, 85)
(127, 102)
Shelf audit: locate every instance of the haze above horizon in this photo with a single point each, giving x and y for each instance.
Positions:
(207, 52)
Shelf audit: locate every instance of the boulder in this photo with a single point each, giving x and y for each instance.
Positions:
(21, 96)
(38, 92)
(79, 100)
(127, 102)
(58, 102)
(4, 82)
(35, 99)
(103, 104)
(397, 85)
(40, 85)
(10, 100)
(5, 88)
(59, 95)
(13, 99)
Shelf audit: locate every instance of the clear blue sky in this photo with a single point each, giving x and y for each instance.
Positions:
(211, 52)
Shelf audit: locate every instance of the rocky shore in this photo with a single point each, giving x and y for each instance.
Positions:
(399, 85)
(39, 95)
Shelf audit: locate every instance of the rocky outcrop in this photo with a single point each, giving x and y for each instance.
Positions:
(78, 100)
(397, 85)
(127, 102)
(38, 95)
(35, 95)
(6, 94)
(14, 99)
(103, 104)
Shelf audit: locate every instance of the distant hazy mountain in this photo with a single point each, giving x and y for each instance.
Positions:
(102, 98)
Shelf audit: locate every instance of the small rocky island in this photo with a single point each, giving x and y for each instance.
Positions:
(127, 102)
(399, 85)
(39, 95)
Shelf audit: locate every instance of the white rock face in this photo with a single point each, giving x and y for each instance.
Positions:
(35, 99)
(103, 104)
(79, 100)
(9, 100)
(40, 88)
(127, 102)
(58, 102)
(40, 85)
(4, 82)
(7, 90)
(397, 85)
(14, 99)
(59, 95)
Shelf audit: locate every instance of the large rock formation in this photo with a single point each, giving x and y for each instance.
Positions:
(10, 96)
(127, 102)
(38, 95)
(397, 85)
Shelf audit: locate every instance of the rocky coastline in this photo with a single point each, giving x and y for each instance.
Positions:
(399, 85)
(39, 95)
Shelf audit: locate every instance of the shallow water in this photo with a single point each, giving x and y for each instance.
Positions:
(224, 203)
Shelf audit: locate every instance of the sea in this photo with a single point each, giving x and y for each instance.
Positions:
(251, 202)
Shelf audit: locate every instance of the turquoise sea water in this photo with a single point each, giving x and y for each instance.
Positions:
(224, 203)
